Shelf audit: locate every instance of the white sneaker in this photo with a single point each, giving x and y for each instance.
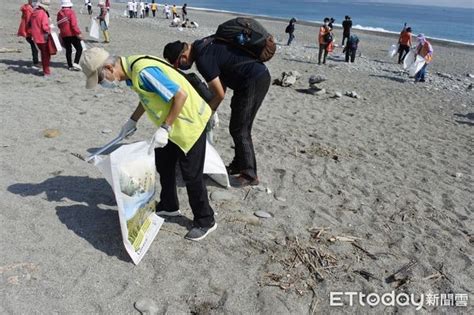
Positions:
(176, 213)
(76, 67)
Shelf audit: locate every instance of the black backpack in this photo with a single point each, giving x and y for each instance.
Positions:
(328, 38)
(249, 35)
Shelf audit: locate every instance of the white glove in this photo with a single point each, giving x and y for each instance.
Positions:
(159, 140)
(214, 120)
(128, 129)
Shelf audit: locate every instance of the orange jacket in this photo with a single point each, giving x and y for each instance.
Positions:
(323, 30)
(425, 50)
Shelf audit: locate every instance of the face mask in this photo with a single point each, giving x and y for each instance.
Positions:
(185, 67)
(109, 84)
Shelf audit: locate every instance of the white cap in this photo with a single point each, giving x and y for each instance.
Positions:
(66, 3)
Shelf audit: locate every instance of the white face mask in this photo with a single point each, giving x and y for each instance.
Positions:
(109, 84)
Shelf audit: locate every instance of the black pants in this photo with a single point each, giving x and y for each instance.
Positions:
(192, 166)
(402, 52)
(34, 50)
(68, 43)
(344, 36)
(154, 12)
(131, 14)
(244, 106)
(322, 50)
(351, 53)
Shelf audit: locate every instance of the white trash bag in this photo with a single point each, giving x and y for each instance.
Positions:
(56, 41)
(409, 59)
(130, 170)
(416, 66)
(393, 50)
(94, 29)
(214, 167)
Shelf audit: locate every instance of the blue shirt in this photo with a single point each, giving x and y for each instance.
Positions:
(153, 80)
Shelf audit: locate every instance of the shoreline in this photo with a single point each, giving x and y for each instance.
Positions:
(359, 28)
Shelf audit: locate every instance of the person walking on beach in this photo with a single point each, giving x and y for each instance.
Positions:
(142, 9)
(154, 7)
(174, 11)
(223, 65)
(89, 7)
(404, 43)
(180, 116)
(290, 30)
(351, 48)
(324, 38)
(425, 50)
(166, 11)
(135, 9)
(130, 9)
(102, 22)
(70, 34)
(24, 30)
(40, 33)
(346, 28)
(184, 11)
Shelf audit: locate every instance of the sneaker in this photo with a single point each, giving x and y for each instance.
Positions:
(176, 213)
(36, 66)
(198, 233)
(244, 180)
(76, 67)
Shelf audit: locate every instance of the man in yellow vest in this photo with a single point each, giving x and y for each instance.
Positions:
(180, 115)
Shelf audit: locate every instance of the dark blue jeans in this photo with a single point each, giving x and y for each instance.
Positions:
(420, 75)
(291, 36)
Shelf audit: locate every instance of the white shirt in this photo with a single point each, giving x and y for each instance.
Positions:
(130, 6)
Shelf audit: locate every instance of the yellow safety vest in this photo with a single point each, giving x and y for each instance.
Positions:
(192, 120)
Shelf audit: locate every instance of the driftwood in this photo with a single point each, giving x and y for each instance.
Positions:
(10, 50)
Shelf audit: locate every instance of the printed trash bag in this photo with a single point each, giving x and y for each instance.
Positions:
(107, 19)
(56, 41)
(214, 167)
(131, 172)
(416, 66)
(94, 29)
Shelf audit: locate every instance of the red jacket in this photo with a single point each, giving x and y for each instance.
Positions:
(67, 23)
(39, 25)
(24, 29)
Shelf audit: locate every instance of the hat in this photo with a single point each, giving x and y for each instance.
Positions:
(173, 50)
(92, 60)
(421, 37)
(44, 4)
(66, 3)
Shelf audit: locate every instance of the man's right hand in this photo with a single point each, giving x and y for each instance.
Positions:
(128, 129)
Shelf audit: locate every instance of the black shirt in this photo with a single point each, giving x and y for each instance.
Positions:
(346, 25)
(217, 59)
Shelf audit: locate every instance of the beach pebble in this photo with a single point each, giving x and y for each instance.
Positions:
(146, 306)
(268, 190)
(221, 196)
(444, 75)
(470, 76)
(247, 219)
(315, 79)
(337, 95)
(458, 175)
(469, 88)
(51, 133)
(106, 131)
(262, 214)
(98, 95)
(318, 91)
(279, 198)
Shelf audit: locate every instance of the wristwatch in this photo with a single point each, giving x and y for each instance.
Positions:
(166, 127)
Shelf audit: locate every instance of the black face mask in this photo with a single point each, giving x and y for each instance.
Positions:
(184, 67)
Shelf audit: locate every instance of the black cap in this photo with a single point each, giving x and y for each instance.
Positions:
(173, 50)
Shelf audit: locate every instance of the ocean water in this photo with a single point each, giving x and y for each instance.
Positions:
(452, 24)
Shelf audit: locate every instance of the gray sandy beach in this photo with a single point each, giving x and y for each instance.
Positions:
(372, 193)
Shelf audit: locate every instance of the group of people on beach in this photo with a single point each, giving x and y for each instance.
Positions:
(326, 38)
(180, 111)
(39, 32)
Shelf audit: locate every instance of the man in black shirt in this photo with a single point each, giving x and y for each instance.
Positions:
(346, 26)
(225, 66)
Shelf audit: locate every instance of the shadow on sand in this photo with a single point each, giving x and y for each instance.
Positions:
(100, 227)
